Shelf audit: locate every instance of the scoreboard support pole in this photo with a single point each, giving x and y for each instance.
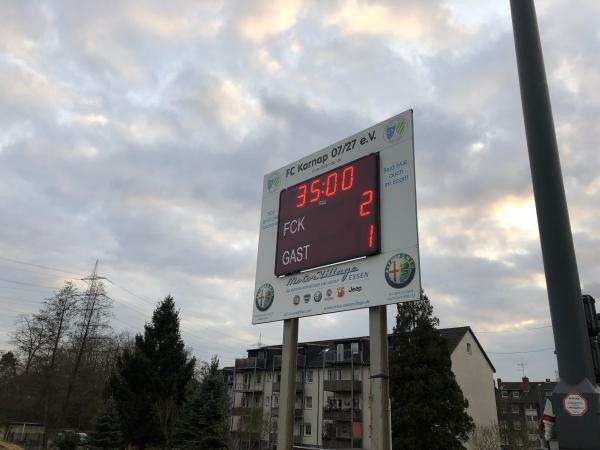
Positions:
(287, 396)
(380, 387)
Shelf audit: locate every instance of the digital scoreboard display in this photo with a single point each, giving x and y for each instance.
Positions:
(329, 218)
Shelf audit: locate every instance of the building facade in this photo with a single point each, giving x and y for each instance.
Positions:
(333, 391)
(520, 406)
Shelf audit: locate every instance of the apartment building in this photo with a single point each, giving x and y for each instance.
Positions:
(520, 406)
(333, 391)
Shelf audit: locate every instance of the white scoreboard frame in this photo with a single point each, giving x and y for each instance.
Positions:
(391, 276)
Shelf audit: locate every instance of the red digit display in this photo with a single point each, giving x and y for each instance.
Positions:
(330, 218)
(347, 178)
(301, 197)
(315, 191)
(331, 185)
(364, 209)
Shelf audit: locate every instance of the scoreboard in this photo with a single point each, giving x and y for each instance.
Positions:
(329, 218)
(338, 228)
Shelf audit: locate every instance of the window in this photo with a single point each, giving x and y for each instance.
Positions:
(308, 402)
(519, 441)
(514, 408)
(258, 378)
(469, 350)
(335, 374)
(340, 352)
(517, 425)
(307, 429)
(276, 400)
(504, 394)
(354, 348)
(268, 400)
(357, 374)
(515, 394)
(268, 376)
(309, 376)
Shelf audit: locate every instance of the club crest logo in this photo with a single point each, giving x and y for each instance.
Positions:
(328, 294)
(273, 182)
(296, 299)
(264, 297)
(400, 270)
(318, 296)
(306, 298)
(395, 130)
(340, 292)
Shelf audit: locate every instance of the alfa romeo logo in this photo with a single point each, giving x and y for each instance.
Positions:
(264, 297)
(400, 270)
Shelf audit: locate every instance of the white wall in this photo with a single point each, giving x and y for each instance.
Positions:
(476, 380)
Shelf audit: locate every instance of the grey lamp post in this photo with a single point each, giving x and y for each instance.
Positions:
(320, 410)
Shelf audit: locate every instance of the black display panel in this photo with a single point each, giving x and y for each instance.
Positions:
(330, 218)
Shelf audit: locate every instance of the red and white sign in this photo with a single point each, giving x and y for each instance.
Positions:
(575, 404)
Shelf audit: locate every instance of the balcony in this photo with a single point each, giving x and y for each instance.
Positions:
(342, 386)
(343, 414)
(243, 410)
(347, 357)
(250, 363)
(277, 361)
(248, 387)
(341, 442)
(297, 412)
(277, 387)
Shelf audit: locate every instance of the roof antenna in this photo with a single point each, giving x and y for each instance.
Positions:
(522, 366)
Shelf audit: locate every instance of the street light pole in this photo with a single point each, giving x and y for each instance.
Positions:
(576, 398)
(320, 411)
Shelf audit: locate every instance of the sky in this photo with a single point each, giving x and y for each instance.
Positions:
(137, 133)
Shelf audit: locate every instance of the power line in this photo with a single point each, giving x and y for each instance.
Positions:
(26, 284)
(182, 327)
(56, 269)
(40, 266)
(514, 330)
(521, 352)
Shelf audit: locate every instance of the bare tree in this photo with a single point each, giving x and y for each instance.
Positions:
(29, 338)
(93, 313)
(56, 314)
(485, 437)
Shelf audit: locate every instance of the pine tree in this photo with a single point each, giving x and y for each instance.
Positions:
(190, 425)
(428, 407)
(151, 379)
(214, 399)
(107, 433)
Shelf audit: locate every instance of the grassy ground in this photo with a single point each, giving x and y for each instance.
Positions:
(9, 446)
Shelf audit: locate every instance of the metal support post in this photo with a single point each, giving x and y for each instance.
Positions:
(380, 389)
(575, 429)
(289, 352)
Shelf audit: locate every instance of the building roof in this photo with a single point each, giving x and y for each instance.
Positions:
(455, 335)
(314, 353)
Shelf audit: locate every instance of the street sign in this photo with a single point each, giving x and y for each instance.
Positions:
(575, 404)
(339, 227)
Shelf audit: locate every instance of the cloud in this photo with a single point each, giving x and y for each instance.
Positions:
(428, 23)
(264, 18)
(139, 134)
